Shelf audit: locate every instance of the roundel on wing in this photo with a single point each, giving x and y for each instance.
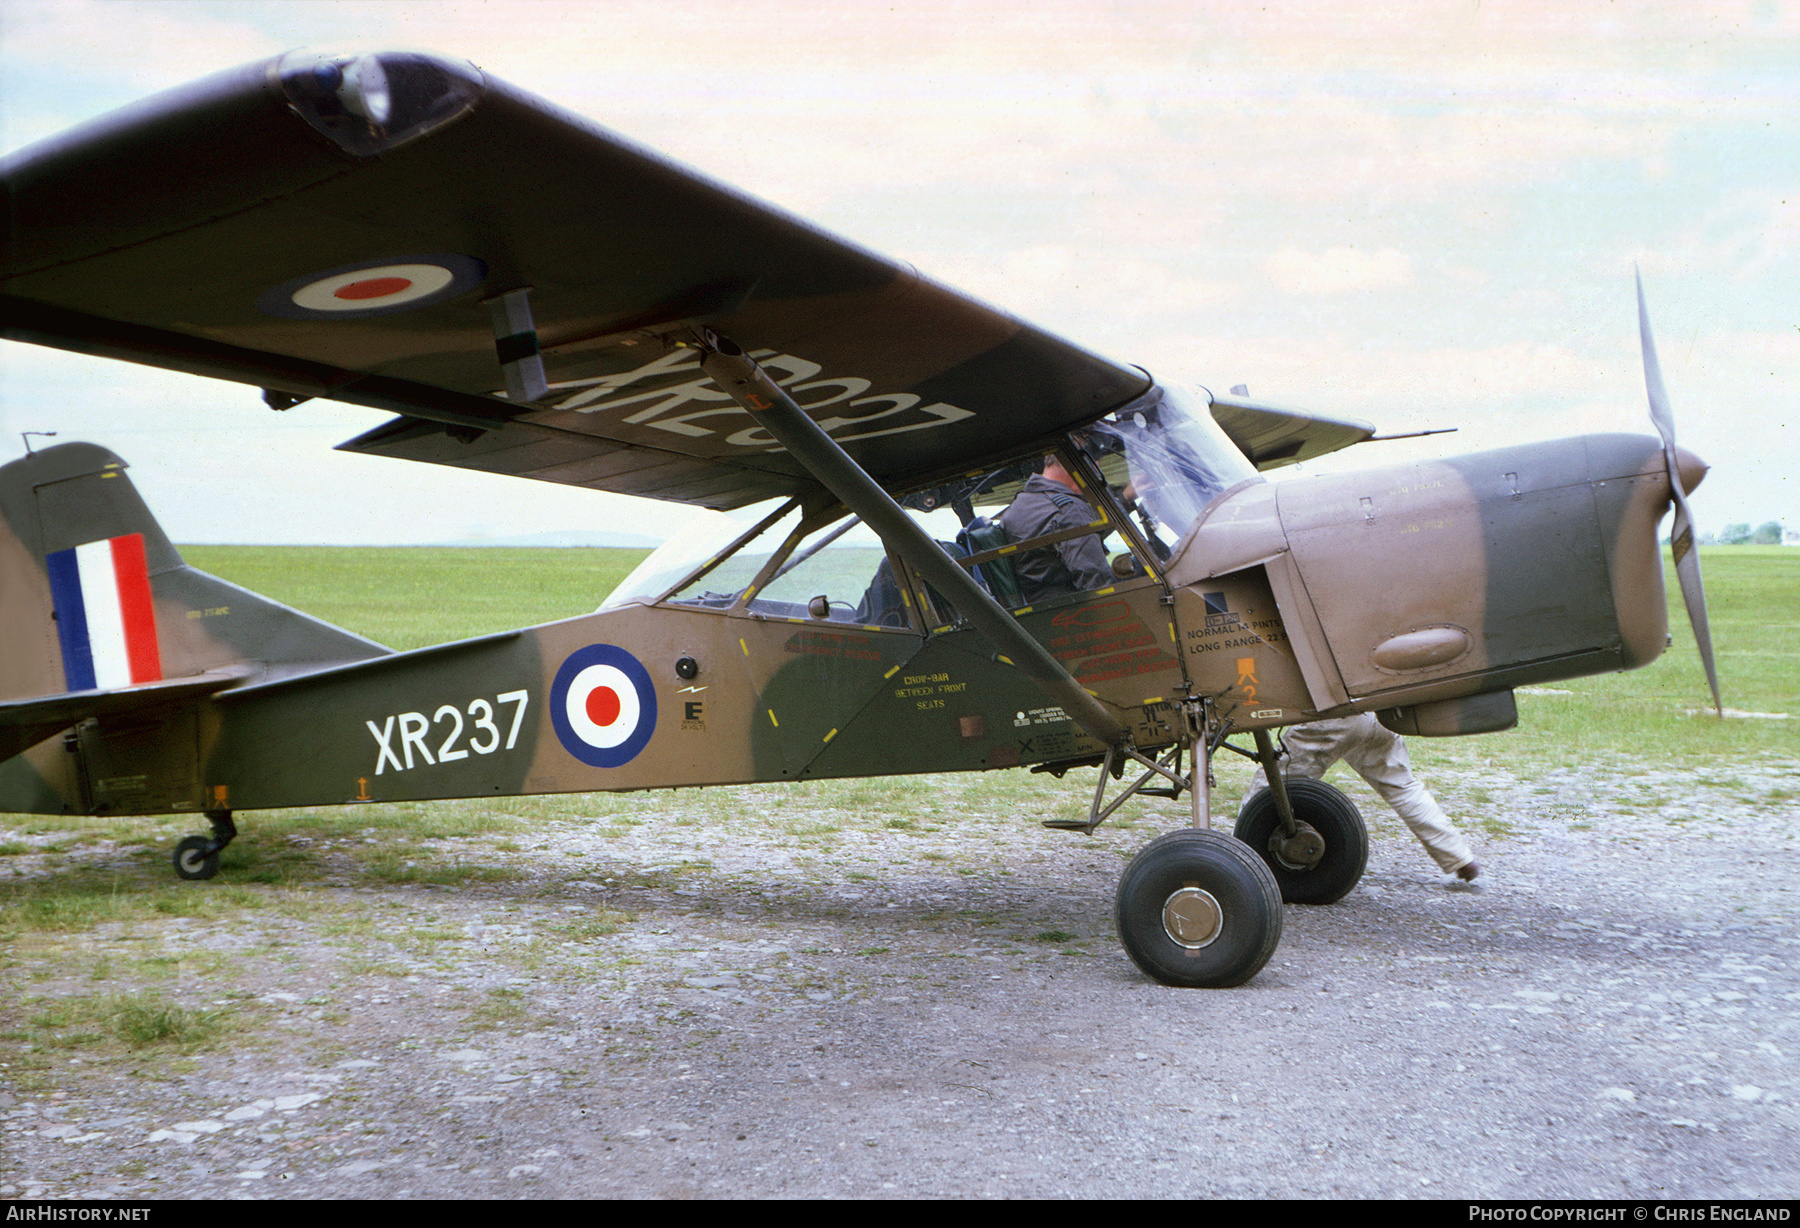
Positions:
(373, 288)
(603, 706)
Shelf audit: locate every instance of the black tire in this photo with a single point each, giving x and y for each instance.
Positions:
(193, 862)
(1336, 819)
(1216, 876)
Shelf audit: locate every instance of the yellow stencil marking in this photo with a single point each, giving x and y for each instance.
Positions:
(772, 719)
(830, 735)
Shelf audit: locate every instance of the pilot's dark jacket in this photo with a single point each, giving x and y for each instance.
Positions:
(1074, 566)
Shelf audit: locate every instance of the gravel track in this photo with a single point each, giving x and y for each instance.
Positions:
(1612, 1011)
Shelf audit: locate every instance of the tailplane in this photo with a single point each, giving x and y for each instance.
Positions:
(100, 617)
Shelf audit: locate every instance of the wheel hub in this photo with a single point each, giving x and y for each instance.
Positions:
(1301, 851)
(1192, 918)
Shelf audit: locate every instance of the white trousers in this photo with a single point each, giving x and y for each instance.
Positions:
(1379, 757)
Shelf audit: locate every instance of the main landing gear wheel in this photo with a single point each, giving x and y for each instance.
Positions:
(195, 858)
(1199, 909)
(1325, 858)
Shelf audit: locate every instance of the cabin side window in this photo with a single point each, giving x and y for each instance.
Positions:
(781, 559)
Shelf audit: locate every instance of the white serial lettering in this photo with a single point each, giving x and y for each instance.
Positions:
(671, 393)
(520, 698)
(666, 399)
(412, 733)
(445, 754)
(386, 755)
(594, 389)
(411, 749)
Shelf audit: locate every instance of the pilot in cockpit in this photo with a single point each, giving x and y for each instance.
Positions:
(1049, 503)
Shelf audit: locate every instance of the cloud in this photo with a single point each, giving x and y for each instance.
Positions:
(1752, 232)
(1040, 283)
(1337, 270)
(123, 51)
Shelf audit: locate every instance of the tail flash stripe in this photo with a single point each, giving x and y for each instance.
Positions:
(105, 623)
(71, 621)
(106, 619)
(136, 608)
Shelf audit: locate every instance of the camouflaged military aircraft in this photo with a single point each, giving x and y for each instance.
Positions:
(534, 295)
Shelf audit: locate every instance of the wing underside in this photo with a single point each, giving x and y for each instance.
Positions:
(518, 283)
(290, 261)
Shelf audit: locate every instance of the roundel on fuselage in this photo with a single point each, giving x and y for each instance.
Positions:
(603, 706)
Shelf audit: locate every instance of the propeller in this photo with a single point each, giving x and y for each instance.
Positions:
(1681, 533)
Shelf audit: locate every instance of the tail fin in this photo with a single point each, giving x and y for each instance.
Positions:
(98, 612)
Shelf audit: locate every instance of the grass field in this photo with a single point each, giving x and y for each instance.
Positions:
(409, 597)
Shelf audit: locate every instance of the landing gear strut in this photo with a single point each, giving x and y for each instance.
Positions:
(197, 857)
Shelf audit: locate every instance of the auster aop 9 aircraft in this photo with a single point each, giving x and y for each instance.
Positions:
(534, 295)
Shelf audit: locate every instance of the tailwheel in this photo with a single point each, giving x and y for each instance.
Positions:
(1324, 857)
(197, 857)
(1199, 909)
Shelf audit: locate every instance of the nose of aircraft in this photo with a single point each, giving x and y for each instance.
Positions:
(1691, 468)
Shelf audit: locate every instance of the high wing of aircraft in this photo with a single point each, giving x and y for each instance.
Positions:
(915, 572)
(505, 276)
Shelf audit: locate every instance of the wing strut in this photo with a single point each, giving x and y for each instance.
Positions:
(744, 379)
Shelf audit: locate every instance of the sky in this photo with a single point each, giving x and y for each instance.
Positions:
(1419, 214)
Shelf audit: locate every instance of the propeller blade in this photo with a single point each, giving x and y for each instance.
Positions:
(1681, 534)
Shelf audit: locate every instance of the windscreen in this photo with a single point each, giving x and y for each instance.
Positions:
(1171, 459)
